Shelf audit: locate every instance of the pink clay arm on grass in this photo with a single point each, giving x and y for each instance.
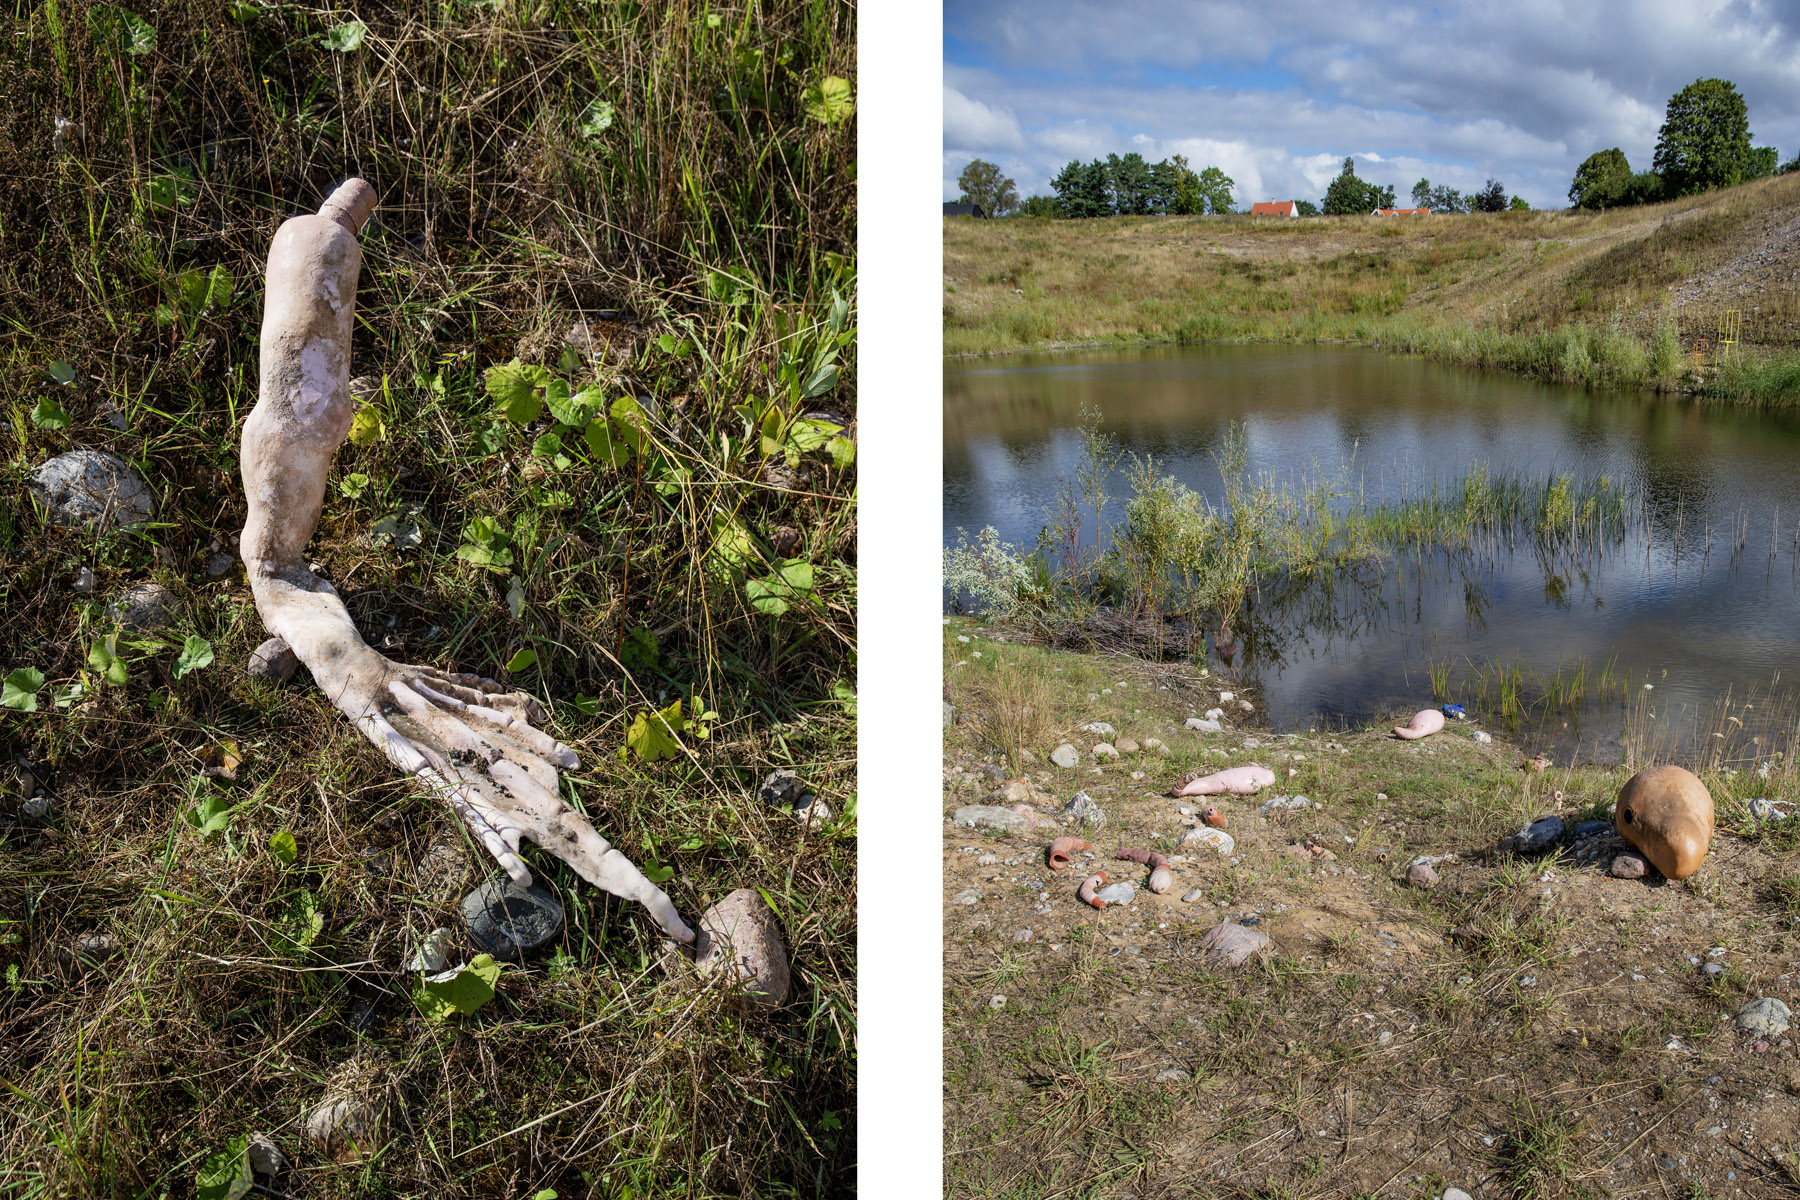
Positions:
(466, 738)
(1062, 848)
(1094, 882)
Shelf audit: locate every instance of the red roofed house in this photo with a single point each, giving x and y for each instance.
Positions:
(1402, 212)
(1275, 208)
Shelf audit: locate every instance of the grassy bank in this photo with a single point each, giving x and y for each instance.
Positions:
(1527, 1027)
(1628, 298)
(654, 201)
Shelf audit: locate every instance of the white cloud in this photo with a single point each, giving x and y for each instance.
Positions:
(970, 124)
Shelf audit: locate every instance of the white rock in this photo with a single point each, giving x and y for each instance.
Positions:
(433, 953)
(1206, 835)
(1204, 726)
(1099, 727)
(814, 815)
(1483, 737)
(1065, 755)
(740, 941)
(85, 486)
(1106, 752)
(1246, 706)
(1215, 714)
(339, 1120)
(1227, 697)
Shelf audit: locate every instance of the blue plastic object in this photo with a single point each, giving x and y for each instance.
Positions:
(1455, 712)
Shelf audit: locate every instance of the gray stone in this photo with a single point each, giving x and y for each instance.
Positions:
(740, 941)
(1483, 737)
(1456, 1194)
(433, 952)
(1591, 829)
(146, 607)
(1234, 945)
(1021, 935)
(813, 814)
(273, 662)
(508, 920)
(1204, 726)
(1066, 756)
(1765, 1015)
(86, 486)
(1420, 875)
(949, 715)
(1628, 866)
(36, 808)
(1287, 802)
(94, 947)
(338, 1120)
(782, 789)
(1190, 896)
(1712, 970)
(1099, 727)
(1172, 1075)
(1537, 837)
(966, 896)
(1106, 751)
(988, 816)
(1122, 892)
(996, 1003)
(1081, 807)
(1126, 745)
(265, 1157)
(1155, 746)
(219, 565)
(84, 580)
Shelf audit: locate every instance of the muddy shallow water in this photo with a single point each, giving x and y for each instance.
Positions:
(1700, 599)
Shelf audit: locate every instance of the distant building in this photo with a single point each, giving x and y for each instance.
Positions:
(1401, 212)
(952, 209)
(1275, 208)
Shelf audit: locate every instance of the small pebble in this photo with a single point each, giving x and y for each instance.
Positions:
(84, 580)
(996, 1003)
(1172, 1075)
(970, 896)
(1192, 895)
(1022, 935)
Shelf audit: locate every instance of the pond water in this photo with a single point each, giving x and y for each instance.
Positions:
(1701, 599)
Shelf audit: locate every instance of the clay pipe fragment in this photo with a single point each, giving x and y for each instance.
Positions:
(1213, 816)
(1089, 886)
(1061, 849)
(1160, 877)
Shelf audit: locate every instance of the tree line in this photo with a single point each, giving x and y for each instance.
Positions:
(1704, 143)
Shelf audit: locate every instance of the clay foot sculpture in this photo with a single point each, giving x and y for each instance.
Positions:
(1425, 722)
(1239, 781)
(467, 739)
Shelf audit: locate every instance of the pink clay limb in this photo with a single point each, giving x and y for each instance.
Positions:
(1160, 875)
(1061, 850)
(1424, 723)
(1094, 882)
(466, 739)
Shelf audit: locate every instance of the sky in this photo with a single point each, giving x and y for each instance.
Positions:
(1277, 93)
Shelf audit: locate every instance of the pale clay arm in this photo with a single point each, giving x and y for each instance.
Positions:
(467, 738)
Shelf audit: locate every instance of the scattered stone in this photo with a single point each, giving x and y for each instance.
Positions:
(1126, 745)
(36, 808)
(441, 870)
(1206, 835)
(273, 662)
(988, 860)
(1771, 810)
(1204, 726)
(1420, 875)
(1106, 752)
(1287, 802)
(1101, 728)
(966, 896)
(1765, 1015)
(1081, 807)
(1192, 895)
(1585, 829)
(219, 565)
(1667, 814)
(1227, 697)
(1712, 970)
(741, 936)
(84, 580)
(1628, 866)
(85, 486)
(1021, 935)
(509, 920)
(1246, 706)
(1138, 776)
(949, 715)
(989, 816)
(1483, 737)
(1066, 756)
(1155, 746)
(1172, 1075)
(1716, 952)
(1456, 1194)
(433, 952)
(1234, 945)
(1536, 837)
(996, 1003)
(143, 606)
(265, 1157)
(813, 813)
(1215, 714)
(339, 1120)
(782, 789)
(1121, 892)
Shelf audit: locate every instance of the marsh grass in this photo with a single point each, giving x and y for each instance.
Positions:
(1569, 296)
(655, 200)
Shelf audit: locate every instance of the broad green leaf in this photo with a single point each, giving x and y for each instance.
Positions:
(840, 313)
(129, 32)
(809, 433)
(606, 444)
(524, 660)
(547, 445)
(670, 344)
(830, 100)
(657, 873)
(283, 846)
(225, 1175)
(587, 706)
(49, 414)
(367, 427)
(632, 425)
(515, 598)
(595, 119)
(403, 528)
(516, 389)
(243, 11)
(733, 547)
(21, 688)
(196, 652)
(346, 37)
(459, 990)
(301, 923)
(492, 437)
(353, 484)
(655, 735)
(641, 650)
(790, 582)
(104, 658)
(483, 556)
(485, 544)
(61, 372)
(844, 692)
(167, 191)
(820, 381)
(843, 451)
(212, 815)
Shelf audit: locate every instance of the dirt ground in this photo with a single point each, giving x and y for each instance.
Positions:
(1529, 1026)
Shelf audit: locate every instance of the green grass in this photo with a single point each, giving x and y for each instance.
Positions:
(675, 183)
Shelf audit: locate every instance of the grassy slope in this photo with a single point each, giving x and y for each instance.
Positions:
(1389, 1045)
(713, 210)
(1491, 290)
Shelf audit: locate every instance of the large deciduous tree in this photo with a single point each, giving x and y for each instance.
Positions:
(1602, 179)
(982, 183)
(1349, 194)
(1704, 141)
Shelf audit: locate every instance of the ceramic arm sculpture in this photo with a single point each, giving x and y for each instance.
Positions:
(466, 738)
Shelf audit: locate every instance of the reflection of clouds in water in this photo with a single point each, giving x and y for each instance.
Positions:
(1011, 433)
